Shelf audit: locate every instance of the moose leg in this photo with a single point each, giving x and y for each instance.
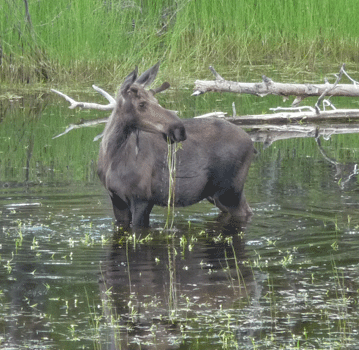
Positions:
(215, 200)
(233, 202)
(141, 213)
(243, 209)
(233, 197)
(122, 211)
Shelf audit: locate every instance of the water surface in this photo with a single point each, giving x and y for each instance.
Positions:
(288, 279)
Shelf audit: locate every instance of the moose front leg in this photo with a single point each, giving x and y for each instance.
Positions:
(122, 212)
(141, 210)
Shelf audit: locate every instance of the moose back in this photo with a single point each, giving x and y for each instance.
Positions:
(213, 162)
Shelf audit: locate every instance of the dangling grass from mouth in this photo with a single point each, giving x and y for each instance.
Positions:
(171, 161)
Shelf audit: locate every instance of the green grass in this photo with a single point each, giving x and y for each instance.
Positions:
(87, 40)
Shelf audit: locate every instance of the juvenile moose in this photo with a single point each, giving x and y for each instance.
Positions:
(213, 162)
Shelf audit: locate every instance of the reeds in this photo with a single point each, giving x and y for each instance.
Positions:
(93, 39)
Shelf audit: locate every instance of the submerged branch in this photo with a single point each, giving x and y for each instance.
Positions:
(267, 134)
(83, 124)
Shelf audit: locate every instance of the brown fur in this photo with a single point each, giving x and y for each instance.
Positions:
(213, 162)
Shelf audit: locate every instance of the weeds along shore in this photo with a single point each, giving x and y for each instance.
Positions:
(86, 40)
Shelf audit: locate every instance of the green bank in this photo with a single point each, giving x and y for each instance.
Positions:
(97, 40)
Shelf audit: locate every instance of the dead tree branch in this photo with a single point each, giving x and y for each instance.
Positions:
(329, 88)
(298, 115)
(89, 105)
(109, 107)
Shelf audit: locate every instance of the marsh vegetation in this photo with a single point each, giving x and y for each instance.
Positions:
(100, 41)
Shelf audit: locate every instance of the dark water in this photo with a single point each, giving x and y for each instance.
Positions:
(288, 280)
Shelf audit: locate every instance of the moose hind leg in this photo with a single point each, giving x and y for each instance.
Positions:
(122, 211)
(232, 198)
(233, 202)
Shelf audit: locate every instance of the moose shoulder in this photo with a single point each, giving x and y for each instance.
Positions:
(213, 162)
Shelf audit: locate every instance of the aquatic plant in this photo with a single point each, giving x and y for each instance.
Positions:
(171, 162)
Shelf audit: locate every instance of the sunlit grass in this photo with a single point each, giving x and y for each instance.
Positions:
(93, 39)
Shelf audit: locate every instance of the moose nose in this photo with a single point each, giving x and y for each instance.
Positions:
(177, 133)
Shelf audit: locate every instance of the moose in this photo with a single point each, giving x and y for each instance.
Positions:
(212, 163)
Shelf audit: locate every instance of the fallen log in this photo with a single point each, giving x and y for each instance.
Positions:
(292, 114)
(269, 87)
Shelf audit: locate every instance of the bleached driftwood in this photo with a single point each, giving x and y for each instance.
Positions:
(88, 105)
(268, 86)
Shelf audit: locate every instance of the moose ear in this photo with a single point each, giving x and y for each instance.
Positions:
(146, 78)
(161, 88)
(129, 80)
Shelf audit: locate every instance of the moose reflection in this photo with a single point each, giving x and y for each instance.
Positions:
(154, 292)
(213, 162)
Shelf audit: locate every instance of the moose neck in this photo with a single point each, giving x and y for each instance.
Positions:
(118, 129)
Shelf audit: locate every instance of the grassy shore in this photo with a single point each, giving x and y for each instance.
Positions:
(87, 40)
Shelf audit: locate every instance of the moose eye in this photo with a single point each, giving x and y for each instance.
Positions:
(142, 104)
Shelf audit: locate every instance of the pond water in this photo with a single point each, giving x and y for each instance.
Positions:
(289, 279)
